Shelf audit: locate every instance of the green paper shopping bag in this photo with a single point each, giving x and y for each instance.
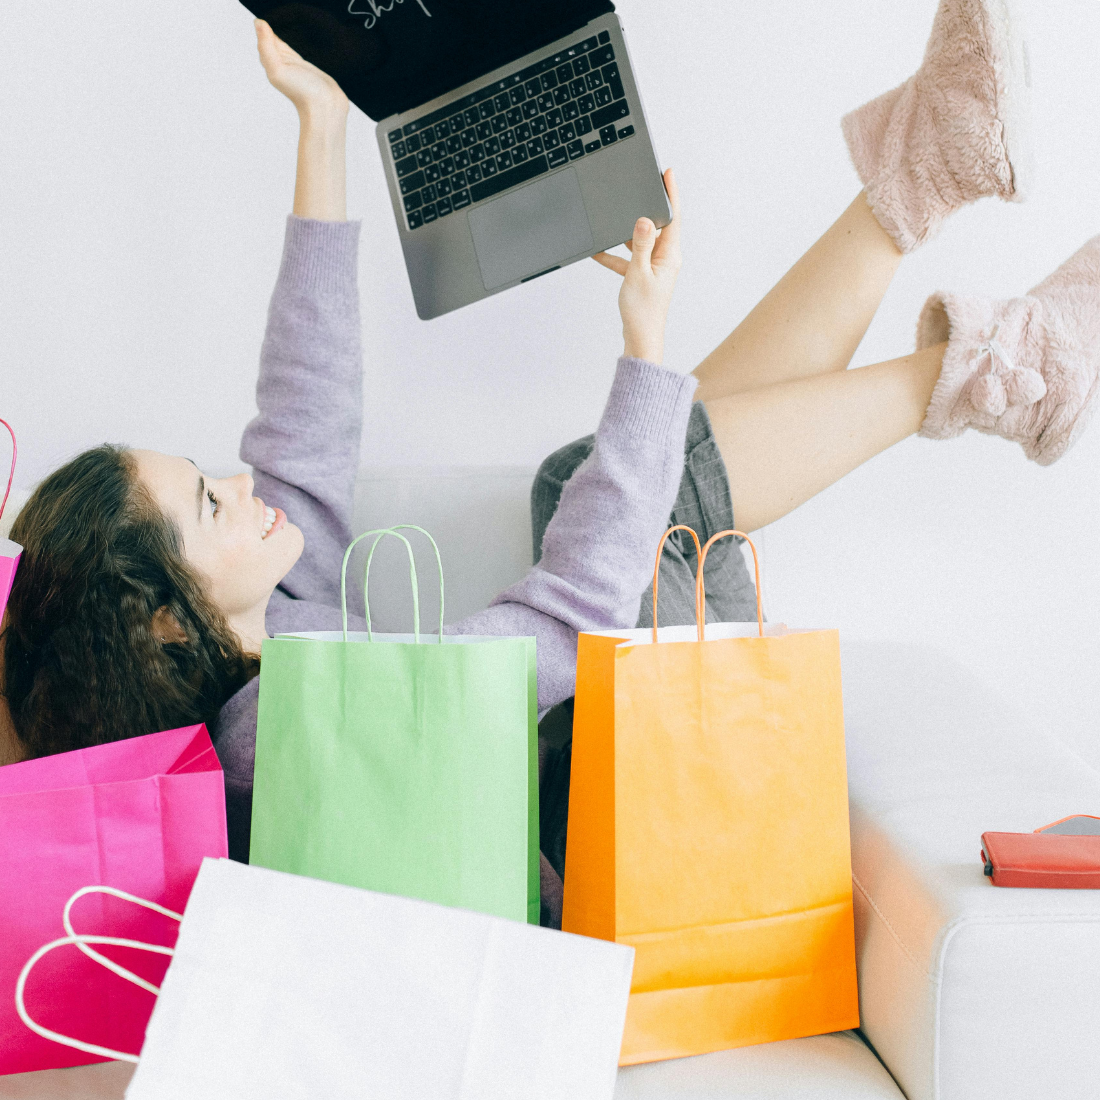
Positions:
(401, 764)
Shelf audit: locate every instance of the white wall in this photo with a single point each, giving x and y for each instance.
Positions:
(146, 167)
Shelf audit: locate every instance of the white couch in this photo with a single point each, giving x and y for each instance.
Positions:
(967, 991)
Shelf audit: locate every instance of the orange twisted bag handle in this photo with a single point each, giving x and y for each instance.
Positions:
(657, 571)
(700, 590)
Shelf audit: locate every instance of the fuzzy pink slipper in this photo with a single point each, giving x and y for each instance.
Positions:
(1026, 368)
(954, 132)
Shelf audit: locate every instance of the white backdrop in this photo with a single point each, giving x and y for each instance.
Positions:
(146, 167)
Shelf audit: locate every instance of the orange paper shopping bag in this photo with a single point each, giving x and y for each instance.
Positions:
(708, 830)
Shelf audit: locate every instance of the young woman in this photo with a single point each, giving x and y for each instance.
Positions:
(146, 588)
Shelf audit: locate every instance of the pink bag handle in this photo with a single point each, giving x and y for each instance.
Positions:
(81, 941)
(11, 475)
(700, 589)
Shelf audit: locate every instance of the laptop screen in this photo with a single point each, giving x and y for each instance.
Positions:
(391, 55)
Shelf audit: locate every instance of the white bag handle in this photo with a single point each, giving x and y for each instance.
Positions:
(81, 941)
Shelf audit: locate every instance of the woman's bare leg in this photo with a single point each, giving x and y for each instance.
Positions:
(782, 444)
(813, 319)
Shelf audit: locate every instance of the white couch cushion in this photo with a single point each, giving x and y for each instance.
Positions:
(829, 1067)
(966, 990)
(481, 518)
(826, 1067)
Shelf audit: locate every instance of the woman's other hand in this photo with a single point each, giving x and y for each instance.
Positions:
(310, 89)
(649, 278)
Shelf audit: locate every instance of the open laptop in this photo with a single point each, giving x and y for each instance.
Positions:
(512, 131)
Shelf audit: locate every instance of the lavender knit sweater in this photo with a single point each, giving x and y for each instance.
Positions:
(303, 447)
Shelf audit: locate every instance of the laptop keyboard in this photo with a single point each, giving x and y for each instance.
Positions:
(556, 111)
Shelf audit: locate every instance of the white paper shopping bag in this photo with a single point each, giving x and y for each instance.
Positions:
(283, 986)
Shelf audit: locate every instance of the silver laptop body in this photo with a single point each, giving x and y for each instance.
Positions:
(531, 167)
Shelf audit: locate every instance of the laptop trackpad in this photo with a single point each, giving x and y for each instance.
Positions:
(531, 230)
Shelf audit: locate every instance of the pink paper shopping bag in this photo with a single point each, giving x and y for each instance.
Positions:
(9, 551)
(9, 560)
(136, 815)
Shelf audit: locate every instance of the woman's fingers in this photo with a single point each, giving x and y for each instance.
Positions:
(273, 48)
(650, 245)
(265, 42)
(669, 244)
(266, 38)
(672, 189)
(306, 86)
(612, 263)
(645, 237)
(274, 52)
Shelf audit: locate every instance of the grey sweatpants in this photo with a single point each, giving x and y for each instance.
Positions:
(702, 503)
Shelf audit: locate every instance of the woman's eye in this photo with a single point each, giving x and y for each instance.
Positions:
(214, 503)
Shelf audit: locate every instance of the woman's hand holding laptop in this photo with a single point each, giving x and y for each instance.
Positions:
(649, 278)
(305, 85)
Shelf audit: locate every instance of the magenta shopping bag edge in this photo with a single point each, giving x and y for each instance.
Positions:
(112, 762)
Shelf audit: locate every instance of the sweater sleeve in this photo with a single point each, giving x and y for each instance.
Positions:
(599, 549)
(303, 446)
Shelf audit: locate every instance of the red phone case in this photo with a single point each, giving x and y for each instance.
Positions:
(1042, 860)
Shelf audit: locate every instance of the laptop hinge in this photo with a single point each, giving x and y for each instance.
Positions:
(539, 275)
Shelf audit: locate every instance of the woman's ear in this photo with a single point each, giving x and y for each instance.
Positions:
(166, 629)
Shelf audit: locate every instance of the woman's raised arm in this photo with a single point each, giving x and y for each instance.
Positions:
(303, 446)
(598, 550)
(320, 189)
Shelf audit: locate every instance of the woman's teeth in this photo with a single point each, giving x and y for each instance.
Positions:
(269, 521)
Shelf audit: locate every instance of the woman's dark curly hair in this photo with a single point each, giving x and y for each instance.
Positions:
(81, 662)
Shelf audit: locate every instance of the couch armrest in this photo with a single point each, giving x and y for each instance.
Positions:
(966, 990)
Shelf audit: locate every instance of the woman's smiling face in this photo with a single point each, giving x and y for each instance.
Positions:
(240, 548)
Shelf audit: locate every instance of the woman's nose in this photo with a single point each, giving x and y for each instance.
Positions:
(245, 485)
